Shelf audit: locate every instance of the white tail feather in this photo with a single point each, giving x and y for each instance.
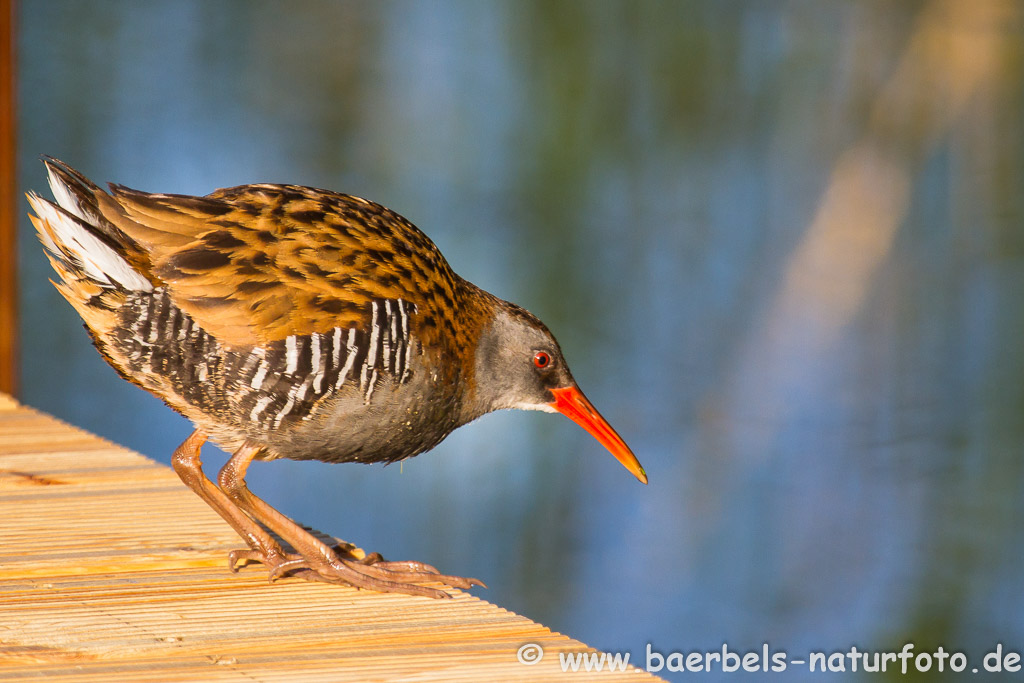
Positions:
(65, 198)
(65, 234)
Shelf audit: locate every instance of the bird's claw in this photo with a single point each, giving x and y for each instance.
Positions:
(239, 558)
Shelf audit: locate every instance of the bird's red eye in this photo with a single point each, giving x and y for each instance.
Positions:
(541, 359)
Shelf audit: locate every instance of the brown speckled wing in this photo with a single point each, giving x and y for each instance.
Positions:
(257, 263)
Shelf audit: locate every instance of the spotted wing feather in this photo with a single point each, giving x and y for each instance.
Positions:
(258, 263)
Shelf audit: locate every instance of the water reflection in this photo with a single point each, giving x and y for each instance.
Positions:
(779, 243)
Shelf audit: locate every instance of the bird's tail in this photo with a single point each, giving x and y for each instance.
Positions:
(97, 265)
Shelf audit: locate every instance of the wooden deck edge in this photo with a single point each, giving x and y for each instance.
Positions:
(111, 568)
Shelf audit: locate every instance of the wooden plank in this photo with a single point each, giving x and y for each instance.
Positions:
(110, 569)
(8, 203)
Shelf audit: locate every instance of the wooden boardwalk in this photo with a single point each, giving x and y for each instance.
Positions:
(110, 569)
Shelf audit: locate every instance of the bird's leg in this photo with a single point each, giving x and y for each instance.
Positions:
(372, 573)
(315, 556)
(187, 464)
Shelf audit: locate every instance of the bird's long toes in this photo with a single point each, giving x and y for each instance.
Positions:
(371, 572)
(344, 552)
(414, 572)
(371, 577)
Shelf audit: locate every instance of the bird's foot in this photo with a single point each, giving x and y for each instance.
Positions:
(373, 573)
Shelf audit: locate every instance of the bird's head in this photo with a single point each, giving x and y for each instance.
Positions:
(520, 365)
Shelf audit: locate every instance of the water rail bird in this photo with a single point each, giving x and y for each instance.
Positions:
(292, 322)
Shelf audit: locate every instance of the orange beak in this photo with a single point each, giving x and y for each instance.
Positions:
(571, 402)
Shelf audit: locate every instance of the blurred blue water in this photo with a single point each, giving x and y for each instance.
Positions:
(780, 244)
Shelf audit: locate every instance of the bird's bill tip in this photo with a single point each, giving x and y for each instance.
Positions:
(571, 402)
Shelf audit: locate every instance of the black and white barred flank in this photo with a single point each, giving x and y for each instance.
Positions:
(274, 384)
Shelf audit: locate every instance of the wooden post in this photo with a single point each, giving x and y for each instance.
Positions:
(8, 203)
